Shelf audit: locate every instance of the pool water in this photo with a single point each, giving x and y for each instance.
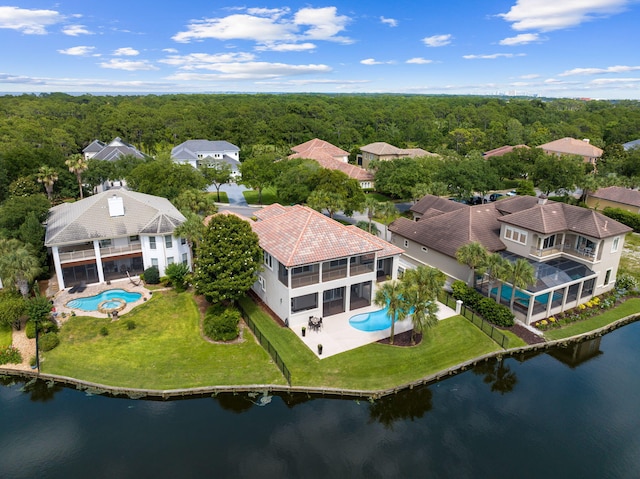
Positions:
(506, 295)
(374, 321)
(90, 303)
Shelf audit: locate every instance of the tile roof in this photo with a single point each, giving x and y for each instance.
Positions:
(328, 156)
(571, 146)
(503, 150)
(619, 195)
(430, 204)
(299, 235)
(380, 148)
(89, 219)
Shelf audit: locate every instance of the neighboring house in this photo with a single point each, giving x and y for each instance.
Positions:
(112, 234)
(503, 150)
(631, 145)
(615, 197)
(333, 158)
(112, 151)
(571, 146)
(384, 151)
(206, 152)
(575, 251)
(315, 266)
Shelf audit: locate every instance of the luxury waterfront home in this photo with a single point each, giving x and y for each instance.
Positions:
(113, 234)
(575, 251)
(316, 266)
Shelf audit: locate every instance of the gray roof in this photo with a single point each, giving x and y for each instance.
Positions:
(619, 194)
(114, 150)
(190, 149)
(94, 147)
(89, 219)
(631, 144)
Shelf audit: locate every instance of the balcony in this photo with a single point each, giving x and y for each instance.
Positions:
(581, 253)
(118, 250)
(70, 254)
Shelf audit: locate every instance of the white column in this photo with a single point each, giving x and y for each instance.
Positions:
(58, 266)
(96, 249)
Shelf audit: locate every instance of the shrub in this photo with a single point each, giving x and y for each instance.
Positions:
(626, 282)
(104, 331)
(152, 275)
(130, 324)
(11, 355)
(491, 311)
(222, 325)
(48, 341)
(623, 216)
(178, 274)
(45, 327)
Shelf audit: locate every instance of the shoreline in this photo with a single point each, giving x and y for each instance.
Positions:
(372, 394)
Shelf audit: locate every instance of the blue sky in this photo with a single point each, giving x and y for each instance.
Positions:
(558, 48)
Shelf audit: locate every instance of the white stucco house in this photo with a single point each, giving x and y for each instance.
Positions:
(113, 234)
(575, 251)
(315, 266)
(206, 152)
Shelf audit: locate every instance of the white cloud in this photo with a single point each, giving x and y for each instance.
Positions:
(611, 81)
(30, 22)
(373, 61)
(76, 30)
(521, 39)
(438, 40)
(313, 81)
(419, 61)
(170, 50)
(392, 22)
(530, 76)
(128, 65)
(125, 52)
(599, 71)
(548, 15)
(250, 71)
(286, 47)
(78, 51)
(270, 26)
(196, 61)
(493, 56)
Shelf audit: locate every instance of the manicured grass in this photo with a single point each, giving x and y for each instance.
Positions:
(375, 366)
(379, 197)
(515, 341)
(223, 197)
(269, 196)
(5, 336)
(630, 259)
(164, 351)
(629, 307)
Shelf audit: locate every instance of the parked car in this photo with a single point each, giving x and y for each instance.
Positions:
(495, 196)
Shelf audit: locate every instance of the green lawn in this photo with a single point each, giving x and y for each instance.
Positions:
(630, 259)
(223, 197)
(269, 196)
(515, 341)
(629, 307)
(165, 351)
(375, 366)
(5, 337)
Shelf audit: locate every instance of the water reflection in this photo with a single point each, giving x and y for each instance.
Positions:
(38, 390)
(408, 404)
(497, 374)
(576, 354)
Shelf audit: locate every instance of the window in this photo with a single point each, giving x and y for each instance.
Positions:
(170, 260)
(268, 260)
(134, 239)
(305, 302)
(615, 245)
(514, 234)
(262, 283)
(168, 241)
(607, 277)
(185, 258)
(183, 241)
(152, 242)
(154, 262)
(424, 249)
(105, 243)
(549, 242)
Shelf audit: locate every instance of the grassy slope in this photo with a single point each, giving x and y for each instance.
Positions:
(165, 350)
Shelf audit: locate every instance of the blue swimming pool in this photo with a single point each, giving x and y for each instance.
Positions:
(112, 296)
(374, 321)
(523, 297)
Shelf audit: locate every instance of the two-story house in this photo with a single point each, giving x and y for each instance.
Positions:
(112, 151)
(571, 146)
(575, 251)
(112, 235)
(207, 152)
(315, 266)
(615, 197)
(381, 151)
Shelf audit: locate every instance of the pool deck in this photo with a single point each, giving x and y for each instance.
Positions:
(338, 336)
(61, 299)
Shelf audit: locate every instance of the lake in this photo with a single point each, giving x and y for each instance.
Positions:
(572, 413)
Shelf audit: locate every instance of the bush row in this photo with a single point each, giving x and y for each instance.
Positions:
(11, 355)
(625, 217)
(221, 323)
(491, 311)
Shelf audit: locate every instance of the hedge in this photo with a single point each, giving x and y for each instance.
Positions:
(491, 311)
(623, 216)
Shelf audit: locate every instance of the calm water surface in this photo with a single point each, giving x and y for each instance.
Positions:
(573, 414)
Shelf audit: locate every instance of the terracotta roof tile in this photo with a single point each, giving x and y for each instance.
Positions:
(571, 146)
(330, 157)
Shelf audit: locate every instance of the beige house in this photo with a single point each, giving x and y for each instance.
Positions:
(575, 251)
(615, 197)
(315, 266)
(384, 151)
(571, 146)
(333, 158)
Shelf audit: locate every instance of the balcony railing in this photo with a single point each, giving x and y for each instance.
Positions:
(116, 250)
(582, 253)
(304, 279)
(88, 252)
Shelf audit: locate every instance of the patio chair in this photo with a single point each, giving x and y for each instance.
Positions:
(82, 287)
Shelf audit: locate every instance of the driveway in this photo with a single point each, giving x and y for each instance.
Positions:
(234, 193)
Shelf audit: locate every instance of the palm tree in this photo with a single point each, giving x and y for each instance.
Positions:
(495, 265)
(77, 165)
(192, 230)
(391, 295)
(18, 265)
(421, 292)
(47, 176)
(366, 226)
(389, 212)
(520, 274)
(371, 205)
(473, 255)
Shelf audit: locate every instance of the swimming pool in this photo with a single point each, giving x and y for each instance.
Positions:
(110, 299)
(373, 321)
(523, 297)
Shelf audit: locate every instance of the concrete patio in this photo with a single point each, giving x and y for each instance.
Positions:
(338, 336)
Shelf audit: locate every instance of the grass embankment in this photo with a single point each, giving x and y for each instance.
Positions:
(375, 366)
(5, 336)
(164, 351)
(629, 307)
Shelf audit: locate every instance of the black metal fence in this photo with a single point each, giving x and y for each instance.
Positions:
(486, 327)
(266, 344)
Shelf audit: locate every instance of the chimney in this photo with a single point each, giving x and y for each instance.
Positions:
(116, 207)
(542, 199)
